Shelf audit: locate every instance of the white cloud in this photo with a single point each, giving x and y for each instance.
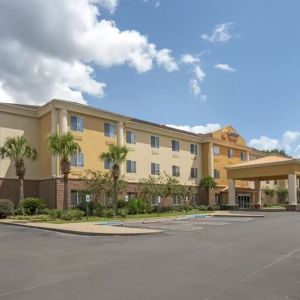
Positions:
(210, 127)
(199, 74)
(221, 33)
(157, 4)
(48, 49)
(224, 67)
(289, 141)
(189, 59)
(165, 59)
(194, 87)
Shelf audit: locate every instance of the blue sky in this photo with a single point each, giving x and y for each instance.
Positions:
(260, 98)
(246, 52)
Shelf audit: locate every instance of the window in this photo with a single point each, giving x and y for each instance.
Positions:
(76, 123)
(155, 200)
(175, 145)
(154, 141)
(194, 173)
(77, 197)
(107, 164)
(109, 130)
(176, 199)
(216, 174)
(217, 199)
(77, 160)
(230, 153)
(193, 198)
(130, 137)
(175, 171)
(131, 166)
(275, 182)
(243, 155)
(267, 181)
(194, 149)
(155, 170)
(132, 195)
(216, 150)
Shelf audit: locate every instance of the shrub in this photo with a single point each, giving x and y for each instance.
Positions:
(122, 212)
(6, 208)
(72, 214)
(138, 206)
(55, 213)
(94, 208)
(108, 213)
(32, 206)
(202, 208)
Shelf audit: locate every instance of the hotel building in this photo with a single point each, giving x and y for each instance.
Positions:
(153, 149)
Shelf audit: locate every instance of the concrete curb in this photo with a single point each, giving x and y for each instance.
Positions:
(76, 232)
(238, 216)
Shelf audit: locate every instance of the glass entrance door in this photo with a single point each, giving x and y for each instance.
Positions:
(244, 200)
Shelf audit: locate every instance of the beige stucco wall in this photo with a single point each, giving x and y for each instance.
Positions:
(92, 142)
(144, 155)
(12, 125)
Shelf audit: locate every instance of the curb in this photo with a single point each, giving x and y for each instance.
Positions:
(81, 232)
(239, 216)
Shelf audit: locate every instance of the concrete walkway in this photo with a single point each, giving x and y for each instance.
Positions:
(83, 228)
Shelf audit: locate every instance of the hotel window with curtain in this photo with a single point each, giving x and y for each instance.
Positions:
(175, 146)
(155, 169)
(194, 173)
(230, 153)
(154, 141)
(77, 160)
(130, 137)
(131, 166)
(194, 149)
(175, 171)
(216, 150)
(109, 129)
(243, 155)
(107, 164)
(76, 123)
(216, 174)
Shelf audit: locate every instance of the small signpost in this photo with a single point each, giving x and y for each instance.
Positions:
(158, 205)
(126, 201)
(87, 201)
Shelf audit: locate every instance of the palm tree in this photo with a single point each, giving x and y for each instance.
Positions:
(116, 156)
(18, 149)
(208, 183)
(63, 146)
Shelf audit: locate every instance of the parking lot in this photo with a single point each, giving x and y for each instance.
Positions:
(207, 258)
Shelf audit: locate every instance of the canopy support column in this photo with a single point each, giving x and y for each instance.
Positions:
(231, 195)
(292, 189)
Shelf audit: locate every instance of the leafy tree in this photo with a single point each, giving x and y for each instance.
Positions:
(163, 186)
(63, 146)
(116, 155)
(276, 151)
(18, 149)
(208, 183)
(100, 185)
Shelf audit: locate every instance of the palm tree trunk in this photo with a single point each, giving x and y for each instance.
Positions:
(21, 183)
(66, 202)
(115, 198)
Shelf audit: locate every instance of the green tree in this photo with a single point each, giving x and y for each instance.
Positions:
(276, 151)
(100, 185)
(208, 183)
(63, 146)
(18, 149)
(116, 155)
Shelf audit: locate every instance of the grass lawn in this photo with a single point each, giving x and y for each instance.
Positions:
(172, 214)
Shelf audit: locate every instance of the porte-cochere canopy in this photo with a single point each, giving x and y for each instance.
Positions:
(267, 168)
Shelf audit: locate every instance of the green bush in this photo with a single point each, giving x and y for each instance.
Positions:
(6, 208)
(202, 208)
(32, 206)
(137, 206)
(55, 213)
(72, 214)
(122, 212)
(94, 208)
(108, 213)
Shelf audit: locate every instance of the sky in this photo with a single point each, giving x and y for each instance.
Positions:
(195, 64)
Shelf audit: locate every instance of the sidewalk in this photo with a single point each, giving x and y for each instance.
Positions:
(84, 228)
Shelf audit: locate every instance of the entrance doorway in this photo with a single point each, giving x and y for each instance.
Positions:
(244, 200)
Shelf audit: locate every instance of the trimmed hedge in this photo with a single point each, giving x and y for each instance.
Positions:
(6, 208)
